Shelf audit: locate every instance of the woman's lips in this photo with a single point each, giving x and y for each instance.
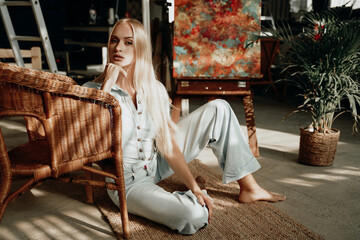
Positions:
(118, 57)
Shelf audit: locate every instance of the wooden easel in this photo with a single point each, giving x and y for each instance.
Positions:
(269, 50)
(214, 87)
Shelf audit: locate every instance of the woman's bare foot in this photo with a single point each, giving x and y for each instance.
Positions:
(260, 194)
(250, 191)
(201, 181)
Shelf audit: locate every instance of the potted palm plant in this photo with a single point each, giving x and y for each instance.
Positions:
(323, 62)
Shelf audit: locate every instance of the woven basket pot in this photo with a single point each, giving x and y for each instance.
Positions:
(318, 149)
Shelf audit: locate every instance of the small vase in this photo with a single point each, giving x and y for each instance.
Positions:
(318, 149)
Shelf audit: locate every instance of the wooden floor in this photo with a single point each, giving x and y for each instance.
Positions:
(324, 199)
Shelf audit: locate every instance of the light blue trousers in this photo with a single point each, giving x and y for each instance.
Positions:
(213, 124)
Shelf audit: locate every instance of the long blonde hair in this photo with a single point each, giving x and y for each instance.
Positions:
(148, 86)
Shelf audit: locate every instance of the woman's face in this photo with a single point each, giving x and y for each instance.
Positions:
(121, 48)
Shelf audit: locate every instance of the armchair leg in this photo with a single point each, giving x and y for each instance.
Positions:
(123, 208)
(8, 198)
(89, 189)
(2, 210)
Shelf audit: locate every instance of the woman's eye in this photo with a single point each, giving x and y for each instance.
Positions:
(129, 42)
(113, 40)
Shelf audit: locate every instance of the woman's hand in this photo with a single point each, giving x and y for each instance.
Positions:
(112, 74)
(177, 162)
(204, 199)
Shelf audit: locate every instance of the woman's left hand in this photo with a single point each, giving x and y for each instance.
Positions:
(177, 162)
(204, 199)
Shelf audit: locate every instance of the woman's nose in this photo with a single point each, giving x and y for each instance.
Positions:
(119, 46)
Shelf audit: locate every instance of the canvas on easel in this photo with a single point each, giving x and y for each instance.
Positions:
(211, 38)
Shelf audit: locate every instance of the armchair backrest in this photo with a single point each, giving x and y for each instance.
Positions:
(81, 125)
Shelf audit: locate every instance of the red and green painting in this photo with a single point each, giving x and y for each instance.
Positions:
(211, 38)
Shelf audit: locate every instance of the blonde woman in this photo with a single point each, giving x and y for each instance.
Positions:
(154, 147)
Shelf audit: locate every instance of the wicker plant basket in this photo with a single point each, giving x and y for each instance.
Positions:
(318, 149)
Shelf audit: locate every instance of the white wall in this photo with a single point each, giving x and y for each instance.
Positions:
(354, 3)
(300, 5)
(306, 5)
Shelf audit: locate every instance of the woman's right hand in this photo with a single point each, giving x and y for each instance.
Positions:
(112, 74)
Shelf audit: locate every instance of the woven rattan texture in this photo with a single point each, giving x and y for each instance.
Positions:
(79, 123)
(318, 149)
(53, 83)
(69, 127)
(231, 219)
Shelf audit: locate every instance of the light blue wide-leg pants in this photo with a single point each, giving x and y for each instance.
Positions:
(213, 124)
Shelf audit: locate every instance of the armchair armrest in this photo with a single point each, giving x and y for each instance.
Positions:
(53, 83)
(31, 73)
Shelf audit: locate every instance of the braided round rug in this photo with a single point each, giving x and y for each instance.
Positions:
(231, 219)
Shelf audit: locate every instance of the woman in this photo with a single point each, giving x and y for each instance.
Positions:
(154, 147)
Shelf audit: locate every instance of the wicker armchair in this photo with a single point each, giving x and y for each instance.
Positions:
(69, 128)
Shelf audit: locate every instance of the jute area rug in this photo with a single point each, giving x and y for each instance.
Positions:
(231, 219)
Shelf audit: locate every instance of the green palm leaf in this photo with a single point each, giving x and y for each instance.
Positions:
(324, 63)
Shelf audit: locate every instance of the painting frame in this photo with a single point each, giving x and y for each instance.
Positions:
(210, 42)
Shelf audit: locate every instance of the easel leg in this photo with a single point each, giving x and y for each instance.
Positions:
(175, 113)
(250, 123)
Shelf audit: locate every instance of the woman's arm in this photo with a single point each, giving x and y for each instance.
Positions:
(177, 162)
(112, 73)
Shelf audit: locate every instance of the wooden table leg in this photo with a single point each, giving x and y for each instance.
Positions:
(250, 123)
(211, 98)
(175, 113)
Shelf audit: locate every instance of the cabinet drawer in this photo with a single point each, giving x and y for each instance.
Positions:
(222, 87)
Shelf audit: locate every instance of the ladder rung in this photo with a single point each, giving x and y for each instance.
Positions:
(27, 38)
(15, 3)
(13, 39)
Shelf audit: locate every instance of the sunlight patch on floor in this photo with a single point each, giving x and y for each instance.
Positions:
(38, 193)
(332, 175)
(29, 229)
(12, 126)
(353, 171)
(47, 227)
(6, 234)
(299, 182)
(63, 229)
(326, 177)
(266, 139)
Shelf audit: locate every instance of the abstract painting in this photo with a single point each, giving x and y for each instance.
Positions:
(211, 38)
